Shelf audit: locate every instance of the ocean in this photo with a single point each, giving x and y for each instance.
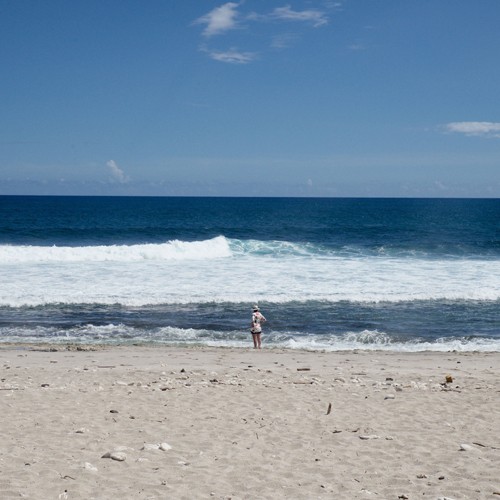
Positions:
(328, 274)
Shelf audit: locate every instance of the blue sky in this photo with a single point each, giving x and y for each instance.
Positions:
(250, 98)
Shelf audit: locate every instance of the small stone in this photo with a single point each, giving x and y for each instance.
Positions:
(390, 396)
(113, 411)
(90, 467)
(369, 436)
(165, 447)
(421, 476)
(466, 447)
(119, 456)
(150, 446)
(449, 379)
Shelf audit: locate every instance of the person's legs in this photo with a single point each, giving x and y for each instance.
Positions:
(258, 340)
(254, 337)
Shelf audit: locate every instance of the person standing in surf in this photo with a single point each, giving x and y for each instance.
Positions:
(256, 328)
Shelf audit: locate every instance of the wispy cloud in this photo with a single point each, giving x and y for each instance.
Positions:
(230, 16)
(117, 173)
(313, 16)
(233, 56)
(220, 19)
(484, 129)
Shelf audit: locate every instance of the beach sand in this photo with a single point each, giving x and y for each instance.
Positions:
(247, 424)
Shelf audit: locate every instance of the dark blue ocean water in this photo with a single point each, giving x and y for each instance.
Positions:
(401, 274)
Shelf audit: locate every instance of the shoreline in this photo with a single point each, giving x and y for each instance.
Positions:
(224, 422)
(88, 346)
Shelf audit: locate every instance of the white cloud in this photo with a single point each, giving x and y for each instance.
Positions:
(220, 19)
(227, 17)
(233, 56)
(117, 173)
(485, 129)
(316, 17)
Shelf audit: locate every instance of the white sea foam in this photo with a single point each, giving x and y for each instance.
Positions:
(119, 334)
(382, 342)
(173, 250)
(216, 271)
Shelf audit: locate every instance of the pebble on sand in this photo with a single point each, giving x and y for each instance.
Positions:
(156, 446)
(150, 446)
(119, 456)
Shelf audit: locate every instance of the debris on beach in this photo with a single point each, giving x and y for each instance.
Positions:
(90, 467)
(156, 446)
(119, 456)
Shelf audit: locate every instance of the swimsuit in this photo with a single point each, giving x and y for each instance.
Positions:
(257, 317)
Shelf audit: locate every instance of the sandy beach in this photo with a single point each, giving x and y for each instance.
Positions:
(154, 423)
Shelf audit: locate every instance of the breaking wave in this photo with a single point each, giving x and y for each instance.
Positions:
(123, 334)
(214, 248)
